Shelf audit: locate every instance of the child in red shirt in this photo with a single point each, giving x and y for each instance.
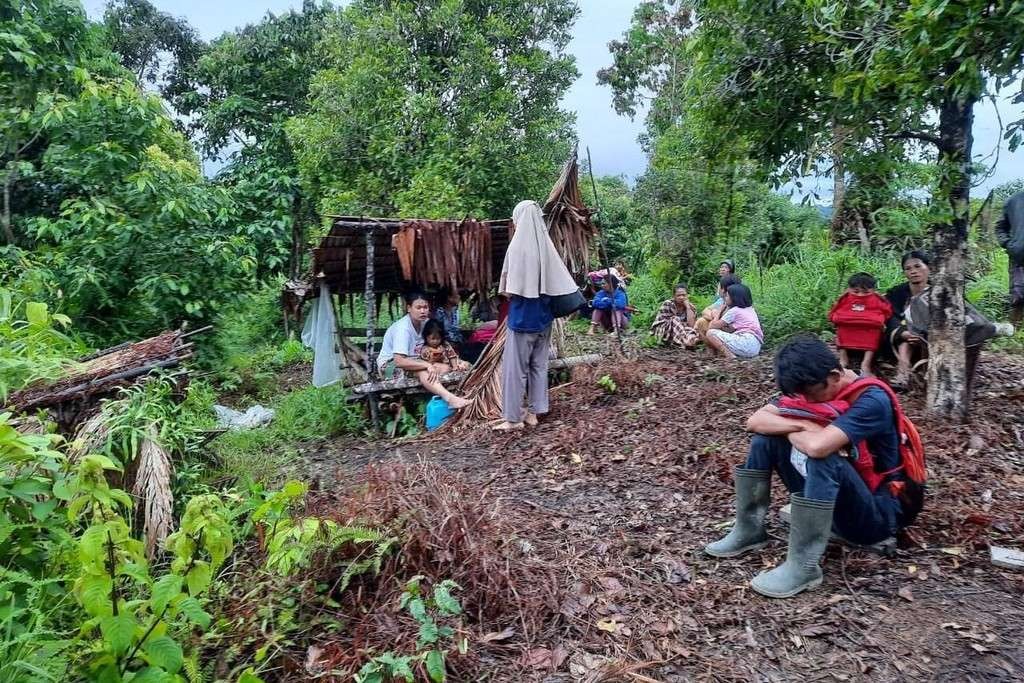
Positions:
(859, 318)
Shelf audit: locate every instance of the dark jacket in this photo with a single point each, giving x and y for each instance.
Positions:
(1010, 228)
(899, 296)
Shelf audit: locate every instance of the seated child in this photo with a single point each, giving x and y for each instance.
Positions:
(436, 350)
(859, 317)
(611, 307)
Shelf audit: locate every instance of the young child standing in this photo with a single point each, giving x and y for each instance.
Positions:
(436, 350)
(859, 318)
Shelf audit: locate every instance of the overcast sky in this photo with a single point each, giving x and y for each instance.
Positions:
(612, 138)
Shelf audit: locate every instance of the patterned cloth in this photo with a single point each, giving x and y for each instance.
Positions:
(670, 328)
(440, 354)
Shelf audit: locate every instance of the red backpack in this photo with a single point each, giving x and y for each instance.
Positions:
(910, 490)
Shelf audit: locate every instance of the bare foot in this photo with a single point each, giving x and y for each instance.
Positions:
(591, 331)
(728, 354)
(458, 403)
(508, 426)
(530, 420)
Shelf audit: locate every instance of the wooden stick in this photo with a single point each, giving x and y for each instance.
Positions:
(371, 323)
(201, 329)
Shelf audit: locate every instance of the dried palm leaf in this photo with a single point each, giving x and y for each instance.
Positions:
(90, 436)
(153, 490)
(30, 424)
(483, 384)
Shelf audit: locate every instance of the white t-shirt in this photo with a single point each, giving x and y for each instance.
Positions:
(401, 338)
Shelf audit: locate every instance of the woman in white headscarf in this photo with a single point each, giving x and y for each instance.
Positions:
(532, 273)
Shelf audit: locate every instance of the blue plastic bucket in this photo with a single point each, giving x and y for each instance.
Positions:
(437, 412)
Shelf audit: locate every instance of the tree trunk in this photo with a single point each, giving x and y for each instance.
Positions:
(298, 238)
(6, 218)
(948, 394)
(838, 185)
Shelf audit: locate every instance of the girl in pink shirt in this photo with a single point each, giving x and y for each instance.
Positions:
(737, 334)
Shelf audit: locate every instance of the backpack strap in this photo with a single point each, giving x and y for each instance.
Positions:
(857, 388)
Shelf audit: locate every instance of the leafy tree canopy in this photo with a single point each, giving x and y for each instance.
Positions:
(438, 108)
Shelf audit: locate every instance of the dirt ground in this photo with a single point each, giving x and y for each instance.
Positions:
(620, 491)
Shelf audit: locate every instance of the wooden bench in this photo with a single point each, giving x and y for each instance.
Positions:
(411, 385)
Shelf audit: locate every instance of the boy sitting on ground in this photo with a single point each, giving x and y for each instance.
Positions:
(859, 317)
(828, 491)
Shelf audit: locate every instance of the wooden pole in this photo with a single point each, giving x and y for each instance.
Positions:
(371, 323)
(604, 250)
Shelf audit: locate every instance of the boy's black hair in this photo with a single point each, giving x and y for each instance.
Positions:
(431, 326)
(727, 281)
(411, 297)
(740, 296)
(918, 254)
(680, 286)
(862, 280)
(803, 362)
(728, 264)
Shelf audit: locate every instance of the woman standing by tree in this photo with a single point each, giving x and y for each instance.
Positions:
(533, 272)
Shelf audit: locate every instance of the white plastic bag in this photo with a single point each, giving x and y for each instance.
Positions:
(257, 416)
(319, 333)
(799, 460)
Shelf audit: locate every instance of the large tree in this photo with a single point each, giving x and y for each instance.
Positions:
(244, 88)
(807, 81)
(943, 57)
(438, 108)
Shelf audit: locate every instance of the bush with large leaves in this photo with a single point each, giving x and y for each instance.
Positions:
(141, 239)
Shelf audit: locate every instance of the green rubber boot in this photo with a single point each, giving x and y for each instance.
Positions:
(753, 493)
(809, 531)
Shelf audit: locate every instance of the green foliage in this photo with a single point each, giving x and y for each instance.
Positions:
(144, 38)
(429, 610)
(31, 345)
(608, 384)
(437, 107)
(261, 454)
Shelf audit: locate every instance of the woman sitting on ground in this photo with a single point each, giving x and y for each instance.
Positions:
(909, 325)
(403, 343)
(610, 304)
(737, 333)
(907, 346)
(714, 311)
(674, 322)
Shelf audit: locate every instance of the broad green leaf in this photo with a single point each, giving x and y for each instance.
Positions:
(249, 676)
(164, 653)
(118, 632)
(435, 666)
(151, 674)
(93, 593)
(444, 599)
(37, 313)
(165, 589)
(194, 612)
(198, 578)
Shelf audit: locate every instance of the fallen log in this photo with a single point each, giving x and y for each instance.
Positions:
(412, 385)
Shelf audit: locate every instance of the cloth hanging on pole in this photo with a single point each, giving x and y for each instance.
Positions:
(320, 334)
(532, 265)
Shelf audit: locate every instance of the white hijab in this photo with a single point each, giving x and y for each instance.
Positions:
(532, 265)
